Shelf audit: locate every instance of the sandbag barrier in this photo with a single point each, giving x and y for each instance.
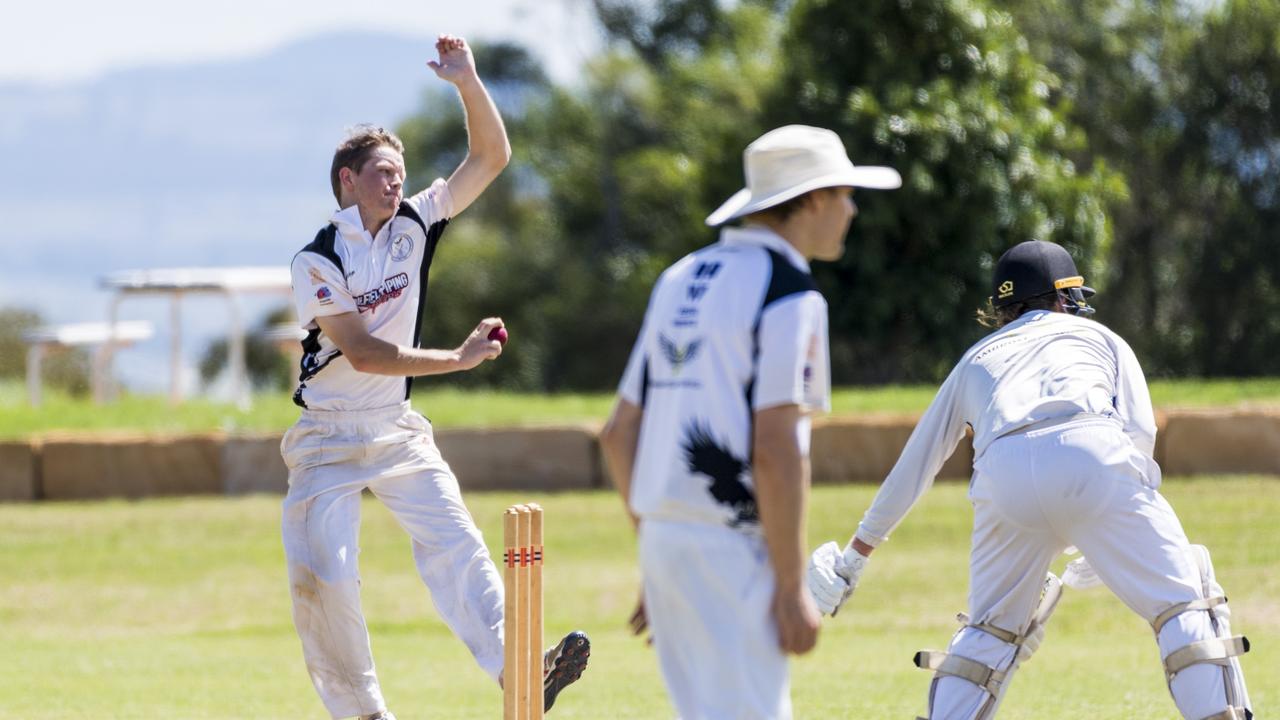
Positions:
(62, 466)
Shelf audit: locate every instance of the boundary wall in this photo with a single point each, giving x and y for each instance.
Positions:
(862, 448)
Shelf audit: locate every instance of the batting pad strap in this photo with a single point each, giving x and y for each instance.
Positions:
(987, 678)
(1216, 651)
(1004, 636)
(1231, 713)
(1176, 610)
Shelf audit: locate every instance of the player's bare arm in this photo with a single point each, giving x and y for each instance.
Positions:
(618, 441)
(488, 150)
(369, 354)
(781, 473)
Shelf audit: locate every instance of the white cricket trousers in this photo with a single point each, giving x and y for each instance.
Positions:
(707, 592)
(332, 457)
(1081, 483)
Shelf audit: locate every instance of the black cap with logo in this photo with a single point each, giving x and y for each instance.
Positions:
(1034, 268)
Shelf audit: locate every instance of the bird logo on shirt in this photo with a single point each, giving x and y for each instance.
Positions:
(707, 457)
(677, 355)
(401, 247)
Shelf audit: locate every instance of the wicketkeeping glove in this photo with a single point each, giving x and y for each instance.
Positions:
(833, 575)
(1079, 574)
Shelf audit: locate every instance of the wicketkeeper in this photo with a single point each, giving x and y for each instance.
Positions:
(1063, 435)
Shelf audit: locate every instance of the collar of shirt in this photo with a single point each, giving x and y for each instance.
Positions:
(350, 224)
(757, 235)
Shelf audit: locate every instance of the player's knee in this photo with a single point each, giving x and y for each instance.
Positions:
(970, 676)
(309, 583)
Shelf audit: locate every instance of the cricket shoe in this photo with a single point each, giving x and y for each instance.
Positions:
(563, 664)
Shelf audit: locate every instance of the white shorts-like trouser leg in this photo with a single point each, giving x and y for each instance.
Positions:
(332, 457)
(1082, 484)
(707, 593)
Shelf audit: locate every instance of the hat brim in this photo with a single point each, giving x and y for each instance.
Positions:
(742, 203)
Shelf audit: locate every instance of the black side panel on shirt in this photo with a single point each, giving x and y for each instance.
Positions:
(644, 384)
(323, 246)
(310, 365)
(433, 234)
(785, 280)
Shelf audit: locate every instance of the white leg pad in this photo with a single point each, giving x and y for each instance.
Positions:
(1200, 656)
(971, 677)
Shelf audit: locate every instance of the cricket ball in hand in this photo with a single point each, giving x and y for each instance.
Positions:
(499, 334)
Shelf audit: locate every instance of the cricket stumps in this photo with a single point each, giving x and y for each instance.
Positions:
(522, 563)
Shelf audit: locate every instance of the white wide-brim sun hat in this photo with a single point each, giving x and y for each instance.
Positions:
(787, 162)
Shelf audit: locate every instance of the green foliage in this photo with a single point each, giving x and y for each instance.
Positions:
(1180, 98)
(603, 192)
(947, 92)
(65, 369)
(180, 608)
(1141, 136)
(1232, 178)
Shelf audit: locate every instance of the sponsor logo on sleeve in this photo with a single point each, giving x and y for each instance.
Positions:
(324, 295)
(810, 357)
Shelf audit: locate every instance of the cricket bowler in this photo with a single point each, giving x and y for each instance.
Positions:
(360, 289)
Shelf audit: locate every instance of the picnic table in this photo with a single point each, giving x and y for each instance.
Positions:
(176, 283)
(49, 338)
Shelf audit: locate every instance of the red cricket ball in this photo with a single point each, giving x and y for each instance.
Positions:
(499, 334)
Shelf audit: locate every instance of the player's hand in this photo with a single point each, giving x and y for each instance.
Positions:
(478, 347)
(639, 620)
(797, 619)
(832, 576)
(1080, 575)
(828, 589)
(455, 63)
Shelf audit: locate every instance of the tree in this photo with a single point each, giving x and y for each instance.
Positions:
(1180, 98)
(1231, 175)
(947, 92)
(64, 368)
(604, 190)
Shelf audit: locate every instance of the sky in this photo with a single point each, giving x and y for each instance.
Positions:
(66, 52)
(62, 41)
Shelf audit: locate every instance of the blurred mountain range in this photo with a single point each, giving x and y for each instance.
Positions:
(205, 164)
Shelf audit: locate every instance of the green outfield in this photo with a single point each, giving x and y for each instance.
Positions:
(459, 408)
(179, 608)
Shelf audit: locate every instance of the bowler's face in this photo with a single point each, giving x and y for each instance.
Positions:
(836, 212)
(379, 185)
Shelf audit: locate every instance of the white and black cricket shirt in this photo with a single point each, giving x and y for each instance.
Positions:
(1040, 367)
(383, 278)
(733, 328)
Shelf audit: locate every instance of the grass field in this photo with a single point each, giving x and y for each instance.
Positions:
(456, 408)
(179, 608)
